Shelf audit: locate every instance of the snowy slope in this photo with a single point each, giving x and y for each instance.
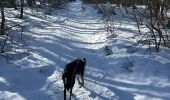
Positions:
(73, 33)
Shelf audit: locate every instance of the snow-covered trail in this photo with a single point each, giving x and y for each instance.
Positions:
(77, 33)
(80, 34)
(73, 33)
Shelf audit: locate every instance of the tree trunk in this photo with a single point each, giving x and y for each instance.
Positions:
(2, 32)
(22, 9)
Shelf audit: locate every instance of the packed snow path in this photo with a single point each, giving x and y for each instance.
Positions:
(75, 34)
(78, 33)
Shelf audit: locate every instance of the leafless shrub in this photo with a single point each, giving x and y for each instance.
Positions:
(12, 44)
(153, 17)
(107, 11)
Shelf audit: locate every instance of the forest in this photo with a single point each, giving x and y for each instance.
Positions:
(123, 45)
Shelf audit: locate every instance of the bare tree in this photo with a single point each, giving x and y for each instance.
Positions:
(22, 9)
(154, 18)
(2, 32)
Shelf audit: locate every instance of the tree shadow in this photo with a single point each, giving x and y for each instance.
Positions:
(25, 82)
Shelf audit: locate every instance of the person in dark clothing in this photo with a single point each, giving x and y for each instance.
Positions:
(72, 69)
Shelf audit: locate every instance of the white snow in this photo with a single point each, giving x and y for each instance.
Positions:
(71, 33)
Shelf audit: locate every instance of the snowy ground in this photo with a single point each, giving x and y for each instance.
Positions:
(73, 33)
